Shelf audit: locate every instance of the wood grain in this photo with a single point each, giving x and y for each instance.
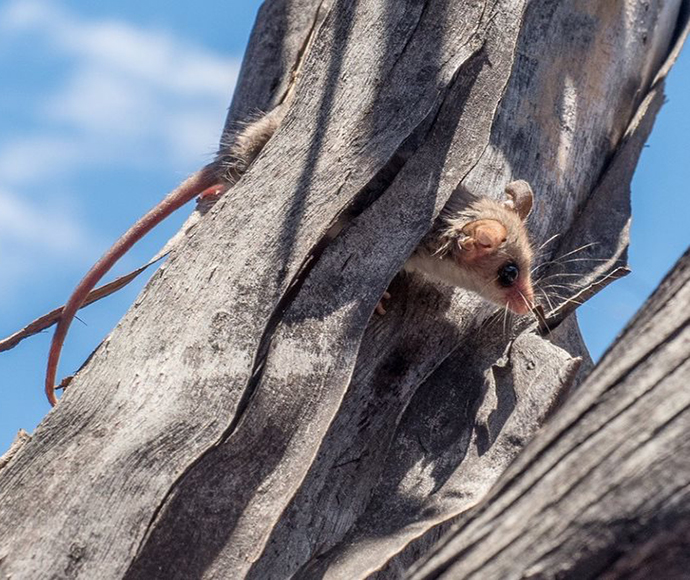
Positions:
(604, 490)
(248, 417)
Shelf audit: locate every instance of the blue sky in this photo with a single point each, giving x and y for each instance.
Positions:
(106, 106)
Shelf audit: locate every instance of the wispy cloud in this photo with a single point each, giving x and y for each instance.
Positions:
(30, 224)
(31, 232)
(155, 57)
(127, 91)
(121, 97)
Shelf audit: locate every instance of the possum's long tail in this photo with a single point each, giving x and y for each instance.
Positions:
(204, 183)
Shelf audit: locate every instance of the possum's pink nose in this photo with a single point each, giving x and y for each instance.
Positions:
(520, 299)
(519, 307)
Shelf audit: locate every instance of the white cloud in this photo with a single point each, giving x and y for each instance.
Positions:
(155, 57)
(32, 225)
(125, 97)
(99, 101)
(131, 96)
(29, 159)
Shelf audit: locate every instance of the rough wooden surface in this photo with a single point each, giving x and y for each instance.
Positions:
(247, 418)
(334, 304)
(277, 42)
(21, 439)
(341, 485)
(604, 490)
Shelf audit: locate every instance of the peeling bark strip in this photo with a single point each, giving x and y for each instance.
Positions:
(604, 490)
(334, 304)
(605, 217)
(52, 317)
(246, 418)
(21, 439)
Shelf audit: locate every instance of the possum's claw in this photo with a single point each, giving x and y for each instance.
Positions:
(380, 310)
(213, 191)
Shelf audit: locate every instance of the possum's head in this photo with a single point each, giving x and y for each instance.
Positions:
(488, 242)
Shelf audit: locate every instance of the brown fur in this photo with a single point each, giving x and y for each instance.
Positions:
(236, 156)
(473, 239)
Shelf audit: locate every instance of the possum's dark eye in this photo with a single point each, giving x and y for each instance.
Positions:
(508, 274)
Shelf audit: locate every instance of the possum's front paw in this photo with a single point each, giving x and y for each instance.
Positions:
(379, 307)
(213, 192)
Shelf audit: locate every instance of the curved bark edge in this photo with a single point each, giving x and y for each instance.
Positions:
(613, 464)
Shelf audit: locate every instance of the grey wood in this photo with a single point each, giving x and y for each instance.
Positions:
(278, 39)
(604, 490)
(309, 378)
(248, 417)
(363, 432)
(20, 440)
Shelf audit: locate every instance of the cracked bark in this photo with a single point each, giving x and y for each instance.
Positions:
(604, 490)
(248, 417)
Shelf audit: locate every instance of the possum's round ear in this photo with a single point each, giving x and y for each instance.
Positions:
(481, 238)
(520, 197)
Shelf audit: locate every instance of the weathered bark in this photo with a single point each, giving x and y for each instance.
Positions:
(604, 490)
(248, 417)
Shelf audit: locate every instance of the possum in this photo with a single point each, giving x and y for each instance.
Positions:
(482, 245)
(479, 244)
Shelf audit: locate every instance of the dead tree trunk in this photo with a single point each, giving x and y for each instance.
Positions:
(604, 490)
(248, 418)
